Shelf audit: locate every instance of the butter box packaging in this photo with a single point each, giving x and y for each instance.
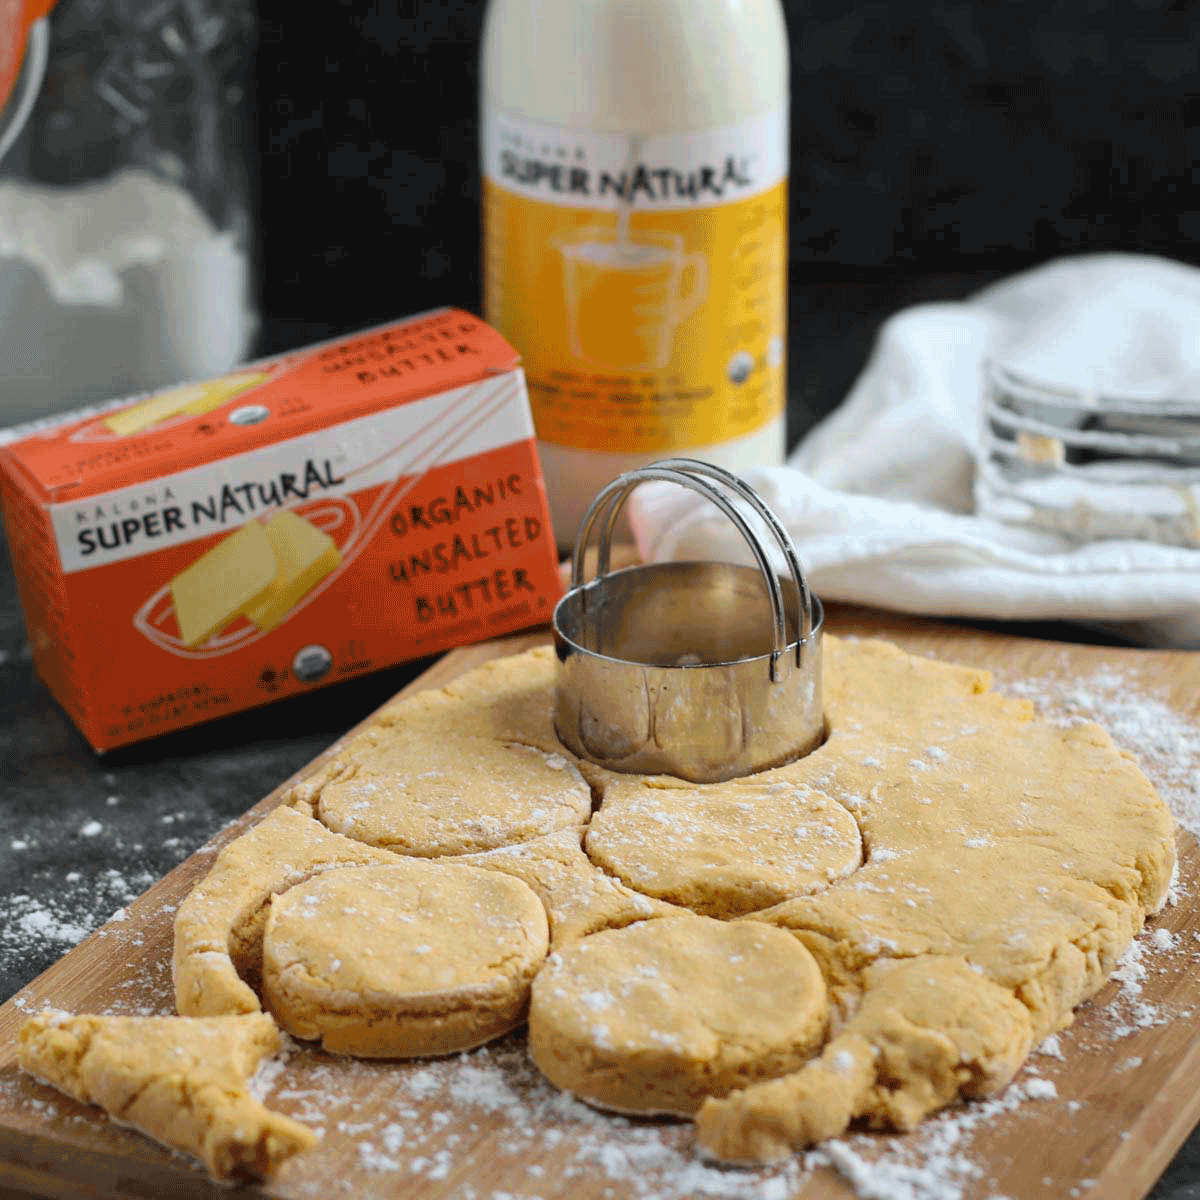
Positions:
(305, 519)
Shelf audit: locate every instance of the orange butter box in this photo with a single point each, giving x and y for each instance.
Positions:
(305, 519)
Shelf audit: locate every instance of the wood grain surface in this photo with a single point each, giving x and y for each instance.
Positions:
(485, 1127)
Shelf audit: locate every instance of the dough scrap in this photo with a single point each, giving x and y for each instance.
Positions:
(578, 896)
(722, 849)
(219, 925)
(929, 1030)
(406, 959)
(657, 1016)
(179, 1080)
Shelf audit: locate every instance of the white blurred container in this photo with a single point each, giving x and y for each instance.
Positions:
(124, 218)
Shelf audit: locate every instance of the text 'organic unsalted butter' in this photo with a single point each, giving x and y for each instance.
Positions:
(305, 519)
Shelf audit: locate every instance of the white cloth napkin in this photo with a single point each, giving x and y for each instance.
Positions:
(878, 497)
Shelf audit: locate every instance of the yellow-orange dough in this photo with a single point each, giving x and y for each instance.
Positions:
(465, 769)
(579, 897)
(725, 849)
(406, 959)
(657, 1016)
(179, 1080)
(1009, 863)
(961, 875)
(219, 926)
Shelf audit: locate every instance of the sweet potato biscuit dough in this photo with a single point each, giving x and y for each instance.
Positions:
(579, 897)
(219, 926)
(179, 1080)
(726, 849)
(508, 699)
(461, 770)
(657, 1016)
(1009, 863)
(470, 793)
(412, 958)
(969, 876)
(929, 1030)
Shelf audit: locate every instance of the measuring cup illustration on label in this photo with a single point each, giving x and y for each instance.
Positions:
(627, 296)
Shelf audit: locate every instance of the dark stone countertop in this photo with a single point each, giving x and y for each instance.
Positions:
(81, 835)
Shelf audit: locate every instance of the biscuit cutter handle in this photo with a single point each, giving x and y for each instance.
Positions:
(703, 477)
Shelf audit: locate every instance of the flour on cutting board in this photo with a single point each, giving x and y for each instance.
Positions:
(430, 1120)
(937, 1162)
(411, 1139)
(640, 1160)
(27, 924)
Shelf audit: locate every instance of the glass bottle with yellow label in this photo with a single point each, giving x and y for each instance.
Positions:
(634, 160)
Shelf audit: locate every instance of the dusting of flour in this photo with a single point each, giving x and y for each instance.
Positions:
(1165, 742)
(657, 1161)
(434, 1116)
(432, 1119)
(29, 925)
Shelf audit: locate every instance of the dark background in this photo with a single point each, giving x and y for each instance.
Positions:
(934, 147)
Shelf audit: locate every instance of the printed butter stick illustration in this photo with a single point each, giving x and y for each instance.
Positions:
(217, 391)
(221, 584)
(304, 555)
(194, 399)
(139, 417)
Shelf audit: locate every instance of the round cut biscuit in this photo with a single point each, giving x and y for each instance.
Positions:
(655, 1017)
(425, 795)
(406, 960)
(723, 849)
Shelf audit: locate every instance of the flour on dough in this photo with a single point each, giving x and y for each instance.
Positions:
(579, 897)
(657, 1016)
(179, 1080)
(950, 876)
(722, 849)
(464, 769)
(1009, 864)
(410, 958)
(508, 700)
(219, 926)
(928, 1031)
(426, 794)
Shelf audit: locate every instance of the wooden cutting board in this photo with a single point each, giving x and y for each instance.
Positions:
(485, 1127)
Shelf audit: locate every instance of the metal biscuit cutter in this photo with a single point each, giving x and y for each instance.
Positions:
(1088, 464)
(690, 669)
